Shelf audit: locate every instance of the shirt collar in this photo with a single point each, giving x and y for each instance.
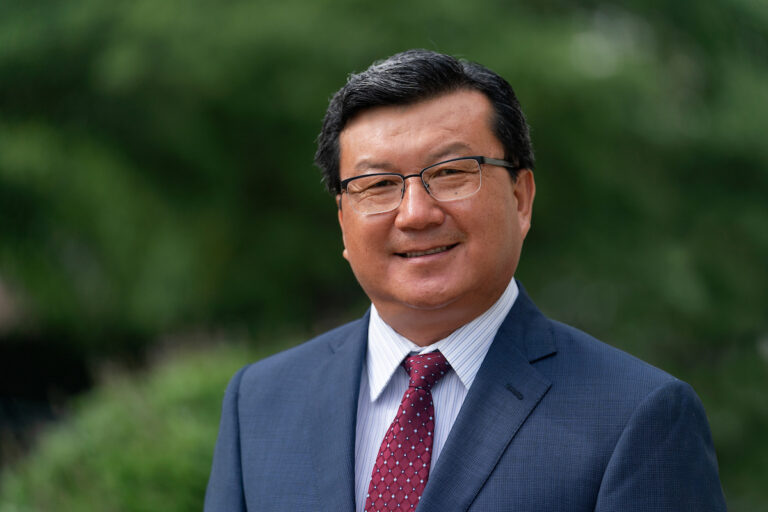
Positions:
(465, 348)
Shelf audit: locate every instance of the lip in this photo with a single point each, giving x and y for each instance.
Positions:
(423, 253)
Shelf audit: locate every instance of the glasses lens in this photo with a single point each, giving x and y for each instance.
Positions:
(375, 194)
(449, 181)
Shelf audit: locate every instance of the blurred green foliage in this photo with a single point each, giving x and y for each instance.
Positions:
(138, 443)
(155, 174)
(155, 159)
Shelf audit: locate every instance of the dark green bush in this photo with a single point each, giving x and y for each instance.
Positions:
(139, 443)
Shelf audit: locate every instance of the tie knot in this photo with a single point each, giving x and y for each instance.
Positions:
(425, 369)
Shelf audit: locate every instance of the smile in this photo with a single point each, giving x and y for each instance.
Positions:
(416, 254)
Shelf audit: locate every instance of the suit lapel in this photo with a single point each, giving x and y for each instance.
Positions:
(333, 414)
(505, 391)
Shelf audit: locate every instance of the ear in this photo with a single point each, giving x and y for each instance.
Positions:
(340, 214)
(525, 191)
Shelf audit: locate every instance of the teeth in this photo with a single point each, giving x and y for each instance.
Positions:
(424, 253)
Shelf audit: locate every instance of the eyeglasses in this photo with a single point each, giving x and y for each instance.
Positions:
(450, 180)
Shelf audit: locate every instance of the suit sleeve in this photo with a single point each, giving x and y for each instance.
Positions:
(225, 484)
(664, 459)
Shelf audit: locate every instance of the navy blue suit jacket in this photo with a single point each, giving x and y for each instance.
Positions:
(554, 421)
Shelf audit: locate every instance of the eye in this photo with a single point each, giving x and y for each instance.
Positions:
(374, 184)
(384, 183)
(448, 171)
(455, 169)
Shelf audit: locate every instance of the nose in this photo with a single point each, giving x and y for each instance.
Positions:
(418, 210)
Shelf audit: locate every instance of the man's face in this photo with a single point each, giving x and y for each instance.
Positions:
(452, 258)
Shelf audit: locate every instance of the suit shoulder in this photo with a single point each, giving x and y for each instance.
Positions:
(305, 356)
(604, 362)
(612, 388)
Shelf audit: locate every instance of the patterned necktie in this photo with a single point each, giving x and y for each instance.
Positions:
(402, 466)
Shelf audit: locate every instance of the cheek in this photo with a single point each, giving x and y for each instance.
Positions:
(497, 225)
(495, 213)
(362, 240)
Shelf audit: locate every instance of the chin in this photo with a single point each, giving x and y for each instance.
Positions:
(429, 301)
(428, 305)
(404, 294)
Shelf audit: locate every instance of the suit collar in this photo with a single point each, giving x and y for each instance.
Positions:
(505, 392)
(333, 411)
(528, 329)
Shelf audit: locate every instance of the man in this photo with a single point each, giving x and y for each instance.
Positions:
(453, 392)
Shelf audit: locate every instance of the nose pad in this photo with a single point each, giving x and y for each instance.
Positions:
(419, 184)
(418, 208)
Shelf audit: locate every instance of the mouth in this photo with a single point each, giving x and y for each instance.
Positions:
(427, 252)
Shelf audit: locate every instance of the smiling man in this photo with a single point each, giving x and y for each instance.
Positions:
(431, 264)
(453, 392)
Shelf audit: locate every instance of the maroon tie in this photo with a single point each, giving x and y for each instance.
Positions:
(402, 466)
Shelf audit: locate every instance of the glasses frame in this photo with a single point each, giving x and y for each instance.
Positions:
(512, 168)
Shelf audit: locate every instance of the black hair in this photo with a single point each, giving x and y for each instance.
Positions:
(412, 76)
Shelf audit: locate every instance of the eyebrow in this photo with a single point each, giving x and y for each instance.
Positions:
(452, 149)
(366, 165)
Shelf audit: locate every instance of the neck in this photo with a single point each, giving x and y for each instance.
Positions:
(424, 327)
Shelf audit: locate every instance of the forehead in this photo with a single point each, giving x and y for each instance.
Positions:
(416, 135)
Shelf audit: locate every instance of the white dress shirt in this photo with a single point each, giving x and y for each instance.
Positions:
(384, 381)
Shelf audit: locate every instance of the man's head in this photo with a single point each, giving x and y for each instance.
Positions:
(413, 76)
(432, 261)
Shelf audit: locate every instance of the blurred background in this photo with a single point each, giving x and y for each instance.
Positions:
(162, 224)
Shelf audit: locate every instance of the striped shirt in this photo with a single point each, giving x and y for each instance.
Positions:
(384, 381)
